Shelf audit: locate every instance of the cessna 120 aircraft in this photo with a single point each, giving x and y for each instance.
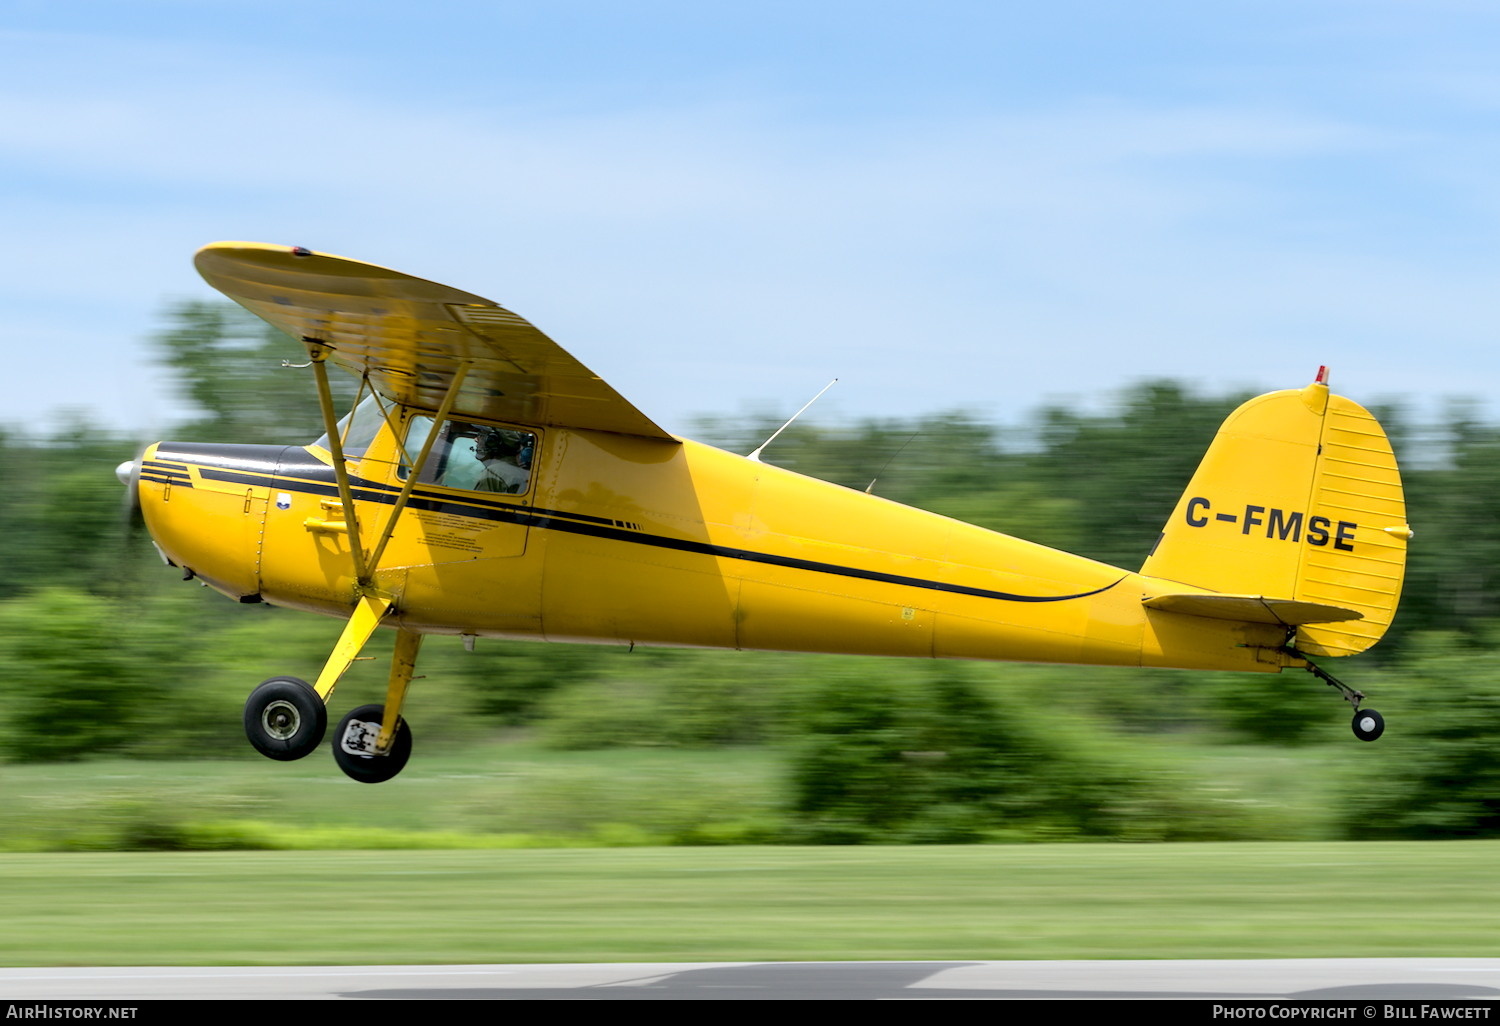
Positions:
(487, 484)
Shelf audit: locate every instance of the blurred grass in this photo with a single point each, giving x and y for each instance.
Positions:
(1248, 900)
(519, 793)
(498, 794)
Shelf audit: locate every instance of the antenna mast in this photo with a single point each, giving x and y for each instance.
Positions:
(761, 448)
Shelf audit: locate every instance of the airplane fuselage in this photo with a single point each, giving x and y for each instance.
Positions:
(629, 540)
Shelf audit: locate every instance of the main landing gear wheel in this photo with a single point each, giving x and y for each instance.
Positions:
(354, 746)
(1368, 724)
(285, 719)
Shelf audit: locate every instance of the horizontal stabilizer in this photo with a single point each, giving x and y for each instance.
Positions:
(1252, 609)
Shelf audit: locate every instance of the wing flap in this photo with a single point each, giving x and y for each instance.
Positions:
(410, 335)
(1252, 609)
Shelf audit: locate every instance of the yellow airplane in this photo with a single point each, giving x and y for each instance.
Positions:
(487, 484)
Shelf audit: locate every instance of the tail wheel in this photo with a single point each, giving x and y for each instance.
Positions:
(354, 746)
(1368, 724)
(285, 719)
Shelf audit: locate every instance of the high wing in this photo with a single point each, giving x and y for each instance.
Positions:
(410, 336)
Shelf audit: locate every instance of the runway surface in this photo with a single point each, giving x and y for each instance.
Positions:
(1353, 980)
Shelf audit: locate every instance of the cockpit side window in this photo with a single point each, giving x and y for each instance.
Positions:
(474, 457)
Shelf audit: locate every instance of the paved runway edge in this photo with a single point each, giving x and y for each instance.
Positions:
(1305, 980)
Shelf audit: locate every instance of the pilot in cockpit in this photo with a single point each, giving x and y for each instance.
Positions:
(506, 456)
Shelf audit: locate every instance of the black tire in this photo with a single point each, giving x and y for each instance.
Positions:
(371, 769)
(1368, 724)
(285, 719)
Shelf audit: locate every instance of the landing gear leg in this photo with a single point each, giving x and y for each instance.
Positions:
(362, 623)
(1368, 724)
(373, 742)
(286, 717)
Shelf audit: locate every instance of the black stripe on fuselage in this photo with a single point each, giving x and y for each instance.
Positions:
(316, 478)
(166, 473)
(319, 479)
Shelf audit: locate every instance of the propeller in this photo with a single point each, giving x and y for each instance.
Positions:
(129, 474)
(133, 521)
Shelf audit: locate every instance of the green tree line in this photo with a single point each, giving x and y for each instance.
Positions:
(104, 651)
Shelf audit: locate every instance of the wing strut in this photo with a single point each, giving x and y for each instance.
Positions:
(421, 461)
(366, 565)
(318, 351)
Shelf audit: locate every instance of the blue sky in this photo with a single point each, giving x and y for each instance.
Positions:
(719, 207)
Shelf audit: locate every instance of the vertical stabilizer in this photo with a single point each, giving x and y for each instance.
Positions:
(1297, 498)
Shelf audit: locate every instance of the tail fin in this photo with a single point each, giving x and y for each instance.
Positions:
(1297, 500)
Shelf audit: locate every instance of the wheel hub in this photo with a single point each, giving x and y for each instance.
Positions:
(280, 719)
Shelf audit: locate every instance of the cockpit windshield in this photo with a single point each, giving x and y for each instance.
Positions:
(358, 430)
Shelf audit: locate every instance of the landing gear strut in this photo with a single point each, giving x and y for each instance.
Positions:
(286, 717)
(1368, 724)
(373, 742)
